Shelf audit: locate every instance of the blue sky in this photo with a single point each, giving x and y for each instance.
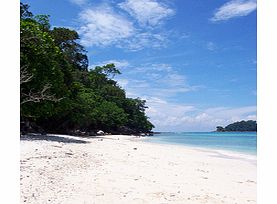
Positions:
(194, 61)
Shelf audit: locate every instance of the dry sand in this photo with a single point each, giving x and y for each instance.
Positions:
(121, 169)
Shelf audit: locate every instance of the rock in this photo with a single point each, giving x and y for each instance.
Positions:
(100, 132)
(77, 133)
(123, 130)
(135, 148)
(30, 127)
(91, 133)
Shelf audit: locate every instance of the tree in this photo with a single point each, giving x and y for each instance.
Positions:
(60, 94)
(110, 116)
(41, 76)
(137, 120)
(219, 129)
(38, 96)
(24, 13)
(43, 21)
(108, 70)
(74, 53)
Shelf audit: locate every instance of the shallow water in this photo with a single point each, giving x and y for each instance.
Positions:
(242, 142)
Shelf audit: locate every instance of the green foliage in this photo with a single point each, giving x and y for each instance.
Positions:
(110, 116)
(24, 13)
(74, 53)
(39, 57)
(241, 126)
(136, 116)
(60, 94)
(220, 129)
(107, 70)
(43, 22)
(83, 108)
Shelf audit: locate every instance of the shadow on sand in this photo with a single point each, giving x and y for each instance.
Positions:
(53, 138)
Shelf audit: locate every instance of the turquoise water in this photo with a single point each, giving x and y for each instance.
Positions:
(242, 142)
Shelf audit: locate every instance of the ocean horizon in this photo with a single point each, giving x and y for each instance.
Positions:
(240, 142)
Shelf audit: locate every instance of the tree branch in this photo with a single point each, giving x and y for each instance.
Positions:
(39, 96)
(24, 75)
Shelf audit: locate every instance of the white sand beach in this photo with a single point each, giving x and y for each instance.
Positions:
(123, 169)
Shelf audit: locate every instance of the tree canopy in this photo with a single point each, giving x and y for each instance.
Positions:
(58, 91)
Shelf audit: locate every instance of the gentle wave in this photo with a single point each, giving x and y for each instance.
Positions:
(241, 142)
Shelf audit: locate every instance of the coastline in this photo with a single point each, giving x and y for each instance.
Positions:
(228, 154)
(229, 150)
(127, 169)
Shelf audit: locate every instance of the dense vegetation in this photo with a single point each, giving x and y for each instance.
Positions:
(241, 126)
(58, 92)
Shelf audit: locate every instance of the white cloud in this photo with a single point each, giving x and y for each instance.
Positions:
(102, 27)
(147, 12)
(159, 80)
(175, 79)
(242, 112)
(165, 114)
(79, 2)
(122, 82)
(156, 68)
(120, 64)
(144, 39)
(170, 116)
(251, 117)
(211, 46)
(234, 8)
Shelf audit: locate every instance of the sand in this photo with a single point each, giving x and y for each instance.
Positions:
(125, 169)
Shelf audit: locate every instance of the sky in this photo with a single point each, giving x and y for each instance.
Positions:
(193, 61)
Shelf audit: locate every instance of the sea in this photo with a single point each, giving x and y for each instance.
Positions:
(240, 142)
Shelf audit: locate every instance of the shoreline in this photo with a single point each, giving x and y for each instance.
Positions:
(227, 154)
(127, 169)
(211, 150)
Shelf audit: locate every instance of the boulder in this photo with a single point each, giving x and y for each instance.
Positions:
(100, 132)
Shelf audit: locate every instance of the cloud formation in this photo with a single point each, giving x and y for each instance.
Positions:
(109, 25)
(102, 27)
(234, 8)
(78, 2)
(183, 117)
(211, 46)
(147, 12)
(120, 64)
(161, 80)
(141, 40)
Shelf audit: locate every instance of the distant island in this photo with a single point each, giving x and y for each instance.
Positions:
(242, 126)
